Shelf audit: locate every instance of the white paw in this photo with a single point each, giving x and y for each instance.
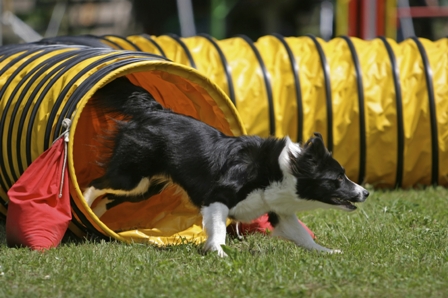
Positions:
(335, 251)
(101, 207)
(211, 246)
(221, 253)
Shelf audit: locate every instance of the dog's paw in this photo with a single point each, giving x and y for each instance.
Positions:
(221, 253)
(214, 247)
(335, 251)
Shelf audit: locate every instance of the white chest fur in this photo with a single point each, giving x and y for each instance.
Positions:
(279, 197)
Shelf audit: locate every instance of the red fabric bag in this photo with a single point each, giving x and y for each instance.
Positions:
(39, 205)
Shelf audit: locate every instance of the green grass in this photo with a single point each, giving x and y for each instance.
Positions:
(394, 245)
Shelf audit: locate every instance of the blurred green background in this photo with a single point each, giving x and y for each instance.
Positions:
(30, 20)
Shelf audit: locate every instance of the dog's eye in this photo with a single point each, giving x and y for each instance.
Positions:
(340, 177)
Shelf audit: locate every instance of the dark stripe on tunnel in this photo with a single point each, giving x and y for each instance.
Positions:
(123, 39)
(30, 78)
(225, 66)
(298, 89)
(6, 182)
(185, 48)
(399, 107)
(267, 83)
(432, 111)
(159, 48)
(328, 96)
(362, 117)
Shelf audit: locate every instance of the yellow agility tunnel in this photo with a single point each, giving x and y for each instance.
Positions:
(380, 105)
(41, 85)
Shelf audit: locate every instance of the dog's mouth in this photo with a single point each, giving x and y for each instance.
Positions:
(345, 204)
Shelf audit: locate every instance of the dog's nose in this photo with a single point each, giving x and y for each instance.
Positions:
(365, 193)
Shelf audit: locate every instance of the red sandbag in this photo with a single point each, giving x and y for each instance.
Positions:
(39, 207)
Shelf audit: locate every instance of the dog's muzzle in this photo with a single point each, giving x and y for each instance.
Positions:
(346, 204)
(361, 197)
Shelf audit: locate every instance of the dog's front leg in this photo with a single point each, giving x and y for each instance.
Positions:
(214, 219)
(288, 227)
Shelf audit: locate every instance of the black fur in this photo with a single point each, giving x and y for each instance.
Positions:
(273, 219)
(123, 98)
(320, 177)
(208, 165)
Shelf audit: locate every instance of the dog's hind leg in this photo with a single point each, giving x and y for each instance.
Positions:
(119, 185)
(214, 219)
(101, 207)
(144, 190)
(288, 227)
(91, 193)
(97, 187)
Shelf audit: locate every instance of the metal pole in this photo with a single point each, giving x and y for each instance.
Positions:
(186, 18)
(56, 19)
(326, 19)
(407, 27)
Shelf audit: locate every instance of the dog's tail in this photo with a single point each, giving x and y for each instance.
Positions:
(124, 98)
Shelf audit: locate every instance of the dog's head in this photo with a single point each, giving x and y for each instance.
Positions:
(320, 178)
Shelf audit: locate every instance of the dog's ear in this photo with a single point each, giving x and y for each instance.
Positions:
(293, 148)
(315, 147)
(289, 154)
(318, 135)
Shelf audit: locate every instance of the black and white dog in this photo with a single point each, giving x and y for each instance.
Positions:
(240, 178)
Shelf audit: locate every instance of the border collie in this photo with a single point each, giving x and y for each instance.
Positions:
(240, 178)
